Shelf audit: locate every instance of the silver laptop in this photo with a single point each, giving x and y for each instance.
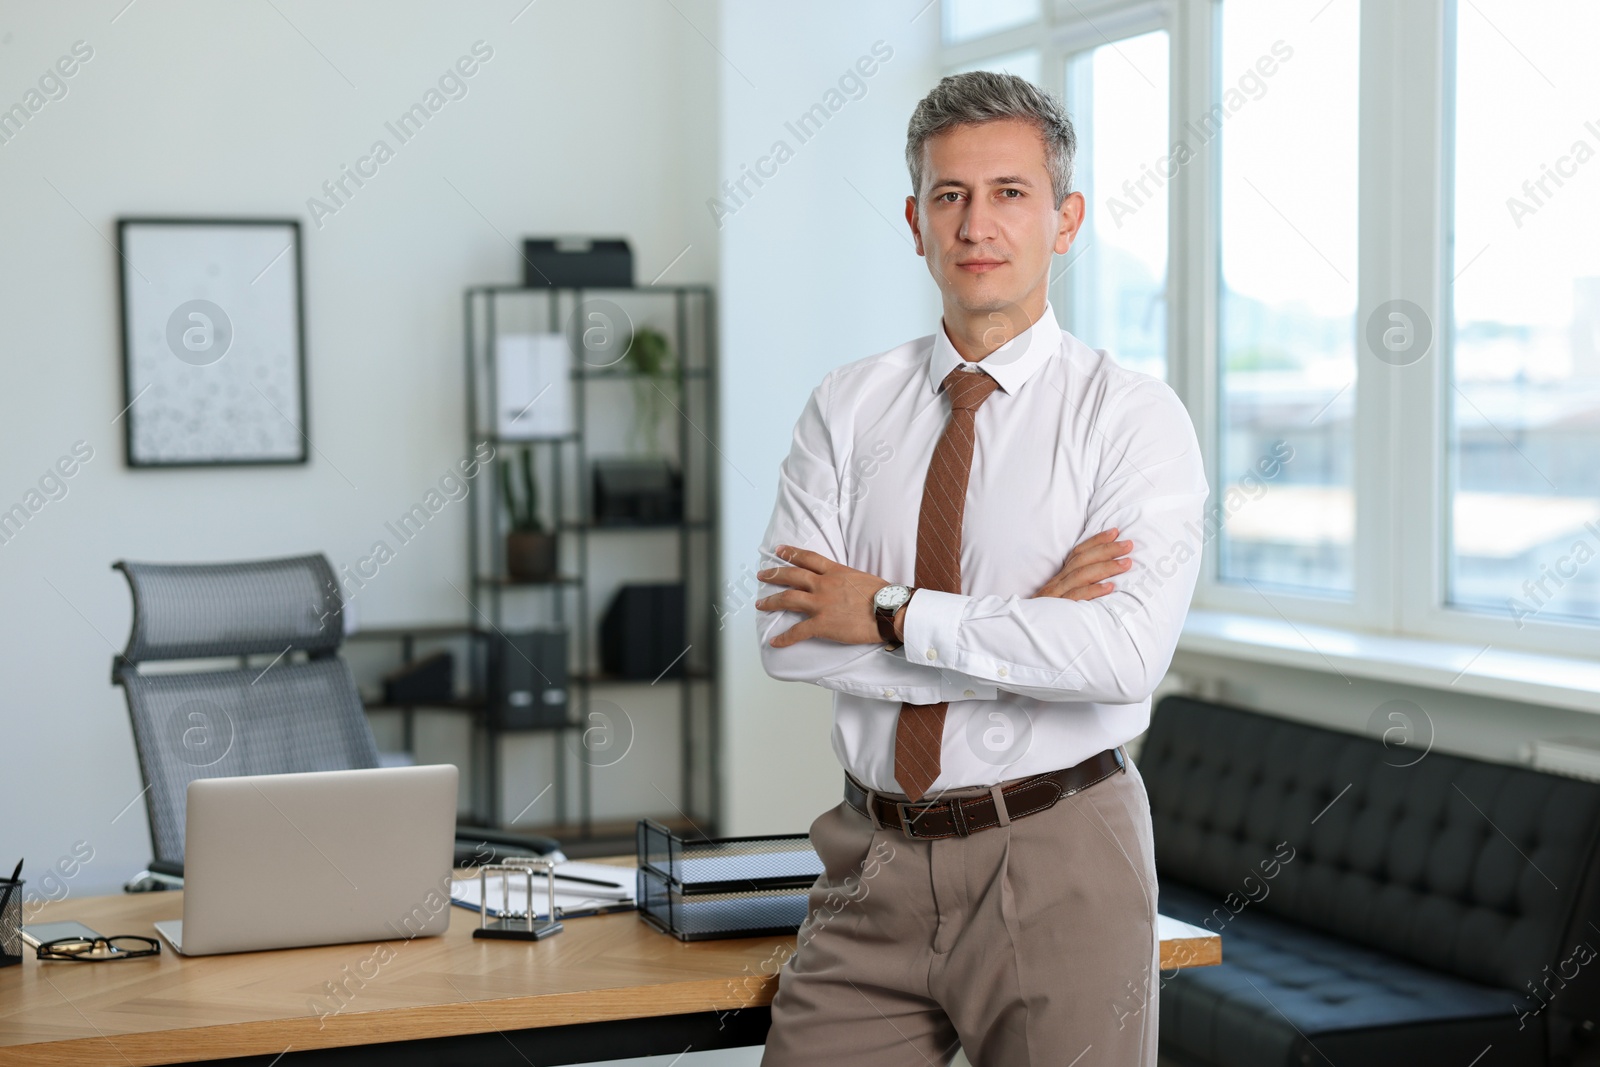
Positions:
(321, 858)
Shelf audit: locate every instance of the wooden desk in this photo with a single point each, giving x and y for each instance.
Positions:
(445, 999)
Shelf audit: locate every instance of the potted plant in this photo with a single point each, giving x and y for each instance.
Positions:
(530, 548)
(650, 358)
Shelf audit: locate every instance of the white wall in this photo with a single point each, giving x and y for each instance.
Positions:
(817, 271)
(597, 117)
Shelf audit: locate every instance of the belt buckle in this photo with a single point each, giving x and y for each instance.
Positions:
(902, 809)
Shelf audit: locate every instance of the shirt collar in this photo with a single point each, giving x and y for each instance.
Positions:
(1011, 364)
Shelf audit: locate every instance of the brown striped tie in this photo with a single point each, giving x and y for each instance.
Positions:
(919, 731)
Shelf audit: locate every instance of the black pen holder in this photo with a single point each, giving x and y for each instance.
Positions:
(11, 922)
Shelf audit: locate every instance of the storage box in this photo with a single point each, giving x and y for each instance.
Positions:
(427, 681)
(637, 492)
(724, 887)
(577, 262)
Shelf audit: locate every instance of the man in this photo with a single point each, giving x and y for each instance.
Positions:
(990, 877)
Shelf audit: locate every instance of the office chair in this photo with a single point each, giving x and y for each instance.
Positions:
(223, 720)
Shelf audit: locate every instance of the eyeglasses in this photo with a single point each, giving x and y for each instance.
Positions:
(94, 949)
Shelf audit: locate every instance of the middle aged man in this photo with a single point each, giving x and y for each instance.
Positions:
(990, 877)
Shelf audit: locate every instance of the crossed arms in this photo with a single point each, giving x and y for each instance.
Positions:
(1072, 640)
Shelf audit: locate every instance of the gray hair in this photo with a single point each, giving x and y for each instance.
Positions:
(984, 96)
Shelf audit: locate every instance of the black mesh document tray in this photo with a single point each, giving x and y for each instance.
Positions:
(724, 887)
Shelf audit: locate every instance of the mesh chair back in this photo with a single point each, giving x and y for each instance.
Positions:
(290, 716)
(196, 610)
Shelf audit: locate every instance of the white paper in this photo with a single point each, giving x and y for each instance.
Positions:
(570, 896)
(533, 385)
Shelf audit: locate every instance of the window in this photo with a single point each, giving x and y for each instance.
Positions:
(1115, 276)
(1111, 287)
(1362, 478)
(1024, 64)
(965, 20)
(1524, 399)
(1285, 119)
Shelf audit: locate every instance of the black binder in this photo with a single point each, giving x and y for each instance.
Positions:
(642, 632)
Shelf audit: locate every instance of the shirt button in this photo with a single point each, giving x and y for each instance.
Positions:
(888, 692)
(1002, 672)
(969, 693)
(932, 654)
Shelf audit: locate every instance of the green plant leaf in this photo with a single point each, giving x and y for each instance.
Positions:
(530, 517)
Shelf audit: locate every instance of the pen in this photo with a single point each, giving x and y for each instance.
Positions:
(589, 881)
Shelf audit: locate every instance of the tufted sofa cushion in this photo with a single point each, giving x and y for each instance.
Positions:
(1287, 995)
(1477, 872)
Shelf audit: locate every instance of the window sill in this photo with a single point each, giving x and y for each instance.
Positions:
(1525, 677)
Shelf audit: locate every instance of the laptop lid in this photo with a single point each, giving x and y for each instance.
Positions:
(318, 858)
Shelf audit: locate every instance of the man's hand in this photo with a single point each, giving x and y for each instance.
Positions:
(1083, 576)
(837, 598)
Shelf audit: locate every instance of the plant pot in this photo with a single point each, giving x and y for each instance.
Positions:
(530, 555)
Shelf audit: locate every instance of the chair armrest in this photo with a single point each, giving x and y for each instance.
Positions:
(157, 876)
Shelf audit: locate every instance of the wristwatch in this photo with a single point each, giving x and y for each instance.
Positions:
(885, 602)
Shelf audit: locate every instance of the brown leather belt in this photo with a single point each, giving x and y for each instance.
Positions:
(958, 817)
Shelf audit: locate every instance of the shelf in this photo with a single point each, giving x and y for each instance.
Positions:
(513, 583)
(478, 703)
(686, 315)
(606, 372)
(467, 703)
(553, 439)
(548, 289)
(633, 527)
(422, 630)
(599, 678)
(608, 837)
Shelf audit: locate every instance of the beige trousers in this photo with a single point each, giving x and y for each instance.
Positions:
(1033, 943)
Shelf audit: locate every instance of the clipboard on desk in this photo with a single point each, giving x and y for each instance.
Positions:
(581, 889)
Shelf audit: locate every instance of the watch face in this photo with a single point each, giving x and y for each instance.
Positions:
(890, 597)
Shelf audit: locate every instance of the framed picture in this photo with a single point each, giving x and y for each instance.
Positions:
(213, 344)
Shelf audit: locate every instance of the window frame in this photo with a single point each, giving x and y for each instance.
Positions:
(1065, 32)
(1203, 282)
(1425, 609)
(1406, 79)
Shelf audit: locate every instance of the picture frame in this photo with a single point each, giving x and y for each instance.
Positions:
(213, 342)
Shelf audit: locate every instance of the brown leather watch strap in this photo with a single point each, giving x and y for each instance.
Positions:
(886, 628)
(930, 820)
(886, 622)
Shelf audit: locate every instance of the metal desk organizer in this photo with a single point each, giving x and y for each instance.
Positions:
(10, 921)
(724, 887)
(517, 926)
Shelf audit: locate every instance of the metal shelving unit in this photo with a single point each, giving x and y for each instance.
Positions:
(686, 315)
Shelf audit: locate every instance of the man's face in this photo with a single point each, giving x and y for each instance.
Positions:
(988, 223)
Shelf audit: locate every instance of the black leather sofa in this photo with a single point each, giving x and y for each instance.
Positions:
(1375, 907)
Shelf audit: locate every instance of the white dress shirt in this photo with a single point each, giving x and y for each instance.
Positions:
(1069, 445)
